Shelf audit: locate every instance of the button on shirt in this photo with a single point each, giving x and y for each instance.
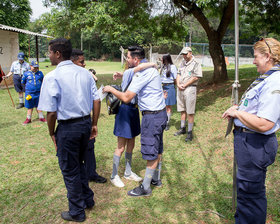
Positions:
(172, 77)
(33, 81)
(69, 90)
(147, 84)
(264, 101)
(189, 69)
(18, 68)
(127, 77)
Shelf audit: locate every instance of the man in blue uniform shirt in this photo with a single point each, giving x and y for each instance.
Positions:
(77, 57)
(68, 94)
(147, 84)
(17, 70)
(33, 81)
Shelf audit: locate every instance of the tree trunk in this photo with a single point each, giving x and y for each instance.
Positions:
(217, 55)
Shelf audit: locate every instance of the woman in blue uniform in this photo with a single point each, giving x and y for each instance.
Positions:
(168, 78)
(256, 120)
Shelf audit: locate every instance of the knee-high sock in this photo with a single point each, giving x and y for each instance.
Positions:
(148, 178)
(157, 172)
(128, 159)
(116, 162)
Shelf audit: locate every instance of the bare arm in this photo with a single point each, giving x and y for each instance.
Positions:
(250, 120)
(126, 96)
(51, 119)
(95, 116)
(8, 75)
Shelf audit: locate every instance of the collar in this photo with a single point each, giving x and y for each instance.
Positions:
(66, 62)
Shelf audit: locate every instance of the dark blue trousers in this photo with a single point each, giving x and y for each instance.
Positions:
(90, 162)
(254, 153)
(72, 141)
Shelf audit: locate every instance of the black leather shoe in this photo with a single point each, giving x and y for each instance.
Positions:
(65, 215)
(99, 179)
(180, 132)
(21, 105)
(189, 136)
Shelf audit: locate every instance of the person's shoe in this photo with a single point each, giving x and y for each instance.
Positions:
(43, 120)
(167, 127)
(139, 192)
(27, 121)
(156, 183)
(90, 206)
(180, 132)
(65, 215)
(99, 179)
(117, 181)
(133, 176)
(189, 136)
(20, 105)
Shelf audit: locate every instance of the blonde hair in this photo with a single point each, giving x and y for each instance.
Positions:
(269, 45)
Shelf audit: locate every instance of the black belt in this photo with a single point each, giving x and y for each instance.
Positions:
(131, 104)
(18, 74)
(167, 84)
(152, 112)
(69, 121)
(241, 129)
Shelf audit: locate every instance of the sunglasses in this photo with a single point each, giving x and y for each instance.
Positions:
(263, 39)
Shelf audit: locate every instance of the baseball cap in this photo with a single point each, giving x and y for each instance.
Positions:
(20, 56)
(186, 50)
(34, 64)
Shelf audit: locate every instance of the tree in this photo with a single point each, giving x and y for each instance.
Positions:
(16, 13)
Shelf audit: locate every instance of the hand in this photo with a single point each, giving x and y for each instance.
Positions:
(107, 89)
(181, 87)
(94, 132)
(54, 142)
(230, 112)
(117, 75)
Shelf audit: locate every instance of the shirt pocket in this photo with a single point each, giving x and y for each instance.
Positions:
(251, 101)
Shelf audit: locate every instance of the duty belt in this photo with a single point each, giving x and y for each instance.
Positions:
(152, 112)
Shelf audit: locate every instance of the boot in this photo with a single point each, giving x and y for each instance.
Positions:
(181, 131)
(20, 105)
(189, 136)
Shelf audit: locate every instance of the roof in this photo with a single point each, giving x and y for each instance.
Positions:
(17, 30)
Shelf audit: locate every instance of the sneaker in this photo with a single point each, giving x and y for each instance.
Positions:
(156, 183)
(66, 216)
(139, 192)
(133, 176)
(180, 132)
(43, 120)
(20, 105)
(27, 121)
(117, 181)
(189, 136)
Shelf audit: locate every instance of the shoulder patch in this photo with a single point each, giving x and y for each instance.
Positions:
(275, 92)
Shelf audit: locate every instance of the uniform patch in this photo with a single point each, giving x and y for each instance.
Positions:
(275, 92)
(245, 103)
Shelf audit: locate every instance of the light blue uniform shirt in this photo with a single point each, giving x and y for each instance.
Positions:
(127, 77)
(263, 100)
(172, 77)
(69, 90)
(147, 84)
(18, 68)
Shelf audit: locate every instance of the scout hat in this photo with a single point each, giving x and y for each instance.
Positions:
(186, 50)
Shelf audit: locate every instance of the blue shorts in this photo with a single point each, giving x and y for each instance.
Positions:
(152, 129)
(19, 87)
(127, 121)
(33, 102)
(171, 94)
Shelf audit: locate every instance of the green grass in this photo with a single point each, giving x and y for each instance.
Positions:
(197, 176)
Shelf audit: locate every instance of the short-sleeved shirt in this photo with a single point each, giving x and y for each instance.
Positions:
(147, 84)
(68, 90)
(263, 100)
(172, 77)
(33, 81)
(189, 69)
(127, 77)
(18, 68)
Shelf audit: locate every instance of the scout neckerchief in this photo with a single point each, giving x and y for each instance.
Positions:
(259, 80)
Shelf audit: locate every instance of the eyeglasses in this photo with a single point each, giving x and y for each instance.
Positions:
(266, 44)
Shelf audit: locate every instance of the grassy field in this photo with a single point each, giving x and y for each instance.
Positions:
(196, 176)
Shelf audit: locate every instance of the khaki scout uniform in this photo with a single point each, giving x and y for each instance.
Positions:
(186, 99)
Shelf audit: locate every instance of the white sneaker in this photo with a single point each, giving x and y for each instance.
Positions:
(133, 176)
(117, 181)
